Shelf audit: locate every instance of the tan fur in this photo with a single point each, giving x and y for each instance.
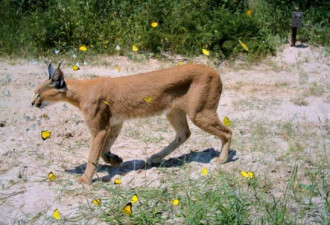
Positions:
(192, 90)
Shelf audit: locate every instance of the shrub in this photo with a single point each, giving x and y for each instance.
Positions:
(185, 26)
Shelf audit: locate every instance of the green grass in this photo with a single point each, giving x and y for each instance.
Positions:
(34, 28)
(214, 199)
(300, 101)
(315, 89)
(218, 198)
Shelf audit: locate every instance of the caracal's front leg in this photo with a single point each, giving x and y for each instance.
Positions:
(97, 120)
(94, 156)
(107, 156)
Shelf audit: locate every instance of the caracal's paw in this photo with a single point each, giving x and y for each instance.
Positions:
(84, 180)
(112, 159)
(154, 159)
(220, 160)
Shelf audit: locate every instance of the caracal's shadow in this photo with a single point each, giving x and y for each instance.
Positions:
(204, 156)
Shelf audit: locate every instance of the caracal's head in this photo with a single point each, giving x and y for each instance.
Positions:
(52, 90)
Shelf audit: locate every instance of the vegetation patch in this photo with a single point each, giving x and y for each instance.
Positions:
(223, 28)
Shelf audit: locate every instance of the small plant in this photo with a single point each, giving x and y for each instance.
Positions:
(300, 101)
(315, 89)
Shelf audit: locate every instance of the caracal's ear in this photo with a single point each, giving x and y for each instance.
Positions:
(51, 70)
(57, 77)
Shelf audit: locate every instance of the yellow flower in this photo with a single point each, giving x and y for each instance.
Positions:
(135, 48)
(134, 199)
(128, 209)
(75, 67)
(205, 171)
(154, 24)
(180, 63)
(96, 201)
(205, 52)
(56, 214)
(148, 99)
(249, 12)
(248, 174)
(83, 48)
(244, 45)
(175, 201)
(117, 181)
(51, 176)
(45, 134)
(117, 68)
(226, 121)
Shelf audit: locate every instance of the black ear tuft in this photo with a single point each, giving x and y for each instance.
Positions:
(51, 70)
(57, 78)
(59, 65)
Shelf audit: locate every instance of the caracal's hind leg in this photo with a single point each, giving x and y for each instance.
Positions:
(107, 156)
(178, 120)
(208, 121)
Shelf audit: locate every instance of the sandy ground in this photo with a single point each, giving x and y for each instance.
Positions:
(290, 87)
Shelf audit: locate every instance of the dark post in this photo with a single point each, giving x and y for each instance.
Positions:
(293, 36)
(296, 22)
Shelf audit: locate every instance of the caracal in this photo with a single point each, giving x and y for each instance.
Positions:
(190, 90)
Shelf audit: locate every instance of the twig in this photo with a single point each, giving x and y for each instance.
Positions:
(12, 194)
